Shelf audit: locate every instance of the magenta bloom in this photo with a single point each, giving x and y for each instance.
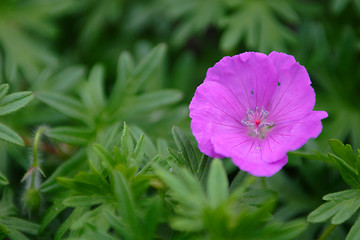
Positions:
(254, 108)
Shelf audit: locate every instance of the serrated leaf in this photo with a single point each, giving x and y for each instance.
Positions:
(9, 135)
(186, 149)
(71, 135)
(217, 184)
(67, 105)
(14, 101)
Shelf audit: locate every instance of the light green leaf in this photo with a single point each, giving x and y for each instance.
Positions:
(9, 135)
(14, 101)
(217, 184)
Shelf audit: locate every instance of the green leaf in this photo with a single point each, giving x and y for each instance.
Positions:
(217, 185)
(124, 201)
(341, 206)
(186, 149)
(92, 93)
(119, 226)
(344, 152)
(151, 217)
(347, 172)
(127, 144)
(4, 88)
(55, 209)
(354, 233)
(84, 201)
(324, 212)
(146, 67)
(68, 169)
(71, 135)
(3, 180)
(20, 225)
(104, 155)
(148, 102)
(14, 101)
(139, 150)
(67, 105)
(9, 135)
(68, 222)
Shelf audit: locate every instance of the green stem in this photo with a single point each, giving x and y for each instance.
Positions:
(38, 133)
(327, 232)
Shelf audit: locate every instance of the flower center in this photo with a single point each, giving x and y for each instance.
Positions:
(257, 123)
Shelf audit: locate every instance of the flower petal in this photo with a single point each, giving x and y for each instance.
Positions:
(246, 153)
(250, 76)
(259, 168)
(293, 98)
(289, 137)
(214, 110)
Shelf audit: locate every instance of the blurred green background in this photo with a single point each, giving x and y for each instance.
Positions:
(40, 38)
(66, 49)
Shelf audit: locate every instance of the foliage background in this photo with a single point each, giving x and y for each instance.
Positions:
(92, 65)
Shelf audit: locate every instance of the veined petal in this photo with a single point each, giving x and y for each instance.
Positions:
(260, 168)
(214, 109)
(250, 76)
(293, 98)
(291, 136)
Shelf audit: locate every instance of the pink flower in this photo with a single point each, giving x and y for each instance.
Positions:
(254, 108)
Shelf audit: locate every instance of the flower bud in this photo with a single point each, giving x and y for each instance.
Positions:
(31, 200)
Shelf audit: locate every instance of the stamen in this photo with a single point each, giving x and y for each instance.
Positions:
(256, 122)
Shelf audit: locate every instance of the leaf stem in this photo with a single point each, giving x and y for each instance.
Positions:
(327, 232)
